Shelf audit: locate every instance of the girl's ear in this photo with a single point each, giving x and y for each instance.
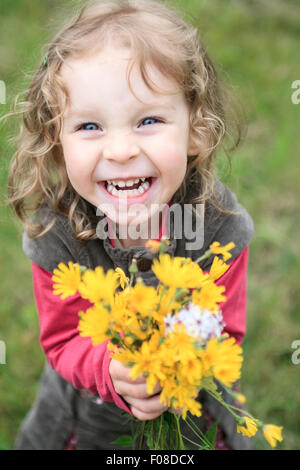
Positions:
(197, 144)
(194, 146)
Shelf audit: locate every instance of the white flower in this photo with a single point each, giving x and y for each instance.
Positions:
(200, 324)
(170, 321)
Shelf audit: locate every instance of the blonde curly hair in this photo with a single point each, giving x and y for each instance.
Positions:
(157, 34)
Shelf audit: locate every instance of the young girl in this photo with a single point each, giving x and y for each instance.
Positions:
(125, 111)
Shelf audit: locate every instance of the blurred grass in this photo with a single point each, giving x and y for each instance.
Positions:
(255, 45)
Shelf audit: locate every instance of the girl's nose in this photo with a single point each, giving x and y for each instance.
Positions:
(120, 148)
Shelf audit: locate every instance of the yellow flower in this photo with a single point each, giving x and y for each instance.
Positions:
(154, 341)
(181, 344)
(67, 279)
(272, 434)
(239, 397)
(178, 272)
(216, 249)
(121, 276)
(209, 296)
(165, 306)
(218, 268)
(149, 364)
(180, 396)
(128, 341)
(119, 312)
(119, 317)
(142, 299)
(97, 285)
(190, 370)
(168, 358)
(190, 405)
(136, 327)
(223, 360)
(122, 355)
(94, 324)
(250, 429)
(153, 244)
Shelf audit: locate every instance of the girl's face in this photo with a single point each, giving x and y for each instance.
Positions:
(110, 139)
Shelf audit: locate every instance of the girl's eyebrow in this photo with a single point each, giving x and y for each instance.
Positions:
(79, 113)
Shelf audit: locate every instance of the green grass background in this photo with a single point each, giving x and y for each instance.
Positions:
(255, 46)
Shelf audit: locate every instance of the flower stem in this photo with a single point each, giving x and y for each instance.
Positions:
(131, 279)
(190, 423)
(181, 444)
(158, 444)
(226, 405)
(206, 255)
(142, 436)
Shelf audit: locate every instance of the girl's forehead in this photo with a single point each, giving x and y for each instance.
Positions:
(108, 70)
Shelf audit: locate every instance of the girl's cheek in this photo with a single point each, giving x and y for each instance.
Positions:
(73, 151)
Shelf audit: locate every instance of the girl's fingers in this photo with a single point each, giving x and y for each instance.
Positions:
(119, 372)
(131, 390)
(135, 390)
(143, 416)
(147, 406)
(157, 389)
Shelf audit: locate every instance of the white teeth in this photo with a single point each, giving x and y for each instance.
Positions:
(122, 184)
(129, 192)
(135, 192)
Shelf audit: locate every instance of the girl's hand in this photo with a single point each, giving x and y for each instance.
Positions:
(143, 406)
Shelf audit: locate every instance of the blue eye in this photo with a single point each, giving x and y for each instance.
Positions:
(89, 126)
(150, 120)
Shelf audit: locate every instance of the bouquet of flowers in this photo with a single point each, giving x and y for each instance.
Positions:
(172, 334)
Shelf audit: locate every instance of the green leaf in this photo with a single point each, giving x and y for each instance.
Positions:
(211, 434)
(150, 443)
(148, 431)
(124, 441)
(166, 425)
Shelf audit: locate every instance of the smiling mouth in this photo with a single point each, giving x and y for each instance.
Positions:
(129, 188)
